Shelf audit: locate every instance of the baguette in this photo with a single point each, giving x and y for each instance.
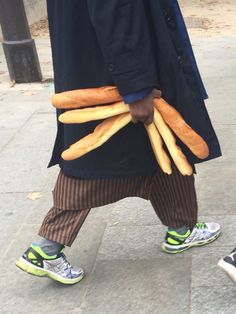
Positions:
(186, 134)
(93, 113)
(101, 134)
(176, 153)
(86, 97)
(157, 146)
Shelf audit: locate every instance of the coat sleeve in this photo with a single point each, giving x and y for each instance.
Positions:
(122, 30)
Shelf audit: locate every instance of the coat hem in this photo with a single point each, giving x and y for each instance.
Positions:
(85, 174)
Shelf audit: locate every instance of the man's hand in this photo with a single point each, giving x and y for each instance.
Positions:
(143, 110)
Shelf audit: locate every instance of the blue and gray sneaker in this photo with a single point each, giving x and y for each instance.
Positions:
(34, 261)
(228, 265)
(201, 234)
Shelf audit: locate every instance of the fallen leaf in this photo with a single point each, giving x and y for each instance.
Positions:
(34, 195)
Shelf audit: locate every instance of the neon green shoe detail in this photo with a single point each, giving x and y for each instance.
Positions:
(31, 255)
(173, 251)
(173, 237)
(200, 225)
(41, 252)
(30, 269)
(172, 241)
(35, 262)
(201, 234)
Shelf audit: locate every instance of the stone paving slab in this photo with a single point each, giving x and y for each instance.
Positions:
(100, 214)
(205, 271)
(51, 176)
(44, 53)
(216, 57)
(133, 212)
(40, 207)
(228, 148)
(39, 311)
(18, 109)
(144, 242)
(33, 151)
(6, 136)
(13, 115)
(131, 242)
(14, 207)
(213, 300)
(139, 287)
(221, 105)
(217, 196)
(211, 68)
(38, 133)
(214, 48)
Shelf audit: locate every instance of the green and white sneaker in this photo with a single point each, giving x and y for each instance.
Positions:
(34, 261)
(201, 234)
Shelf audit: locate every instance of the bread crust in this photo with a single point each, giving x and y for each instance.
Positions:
(176, 153)
(93, 113)
(102, 133)
(86, 97)
(185, 133)
(157, 146)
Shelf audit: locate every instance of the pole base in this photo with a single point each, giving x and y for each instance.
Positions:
(22, 61)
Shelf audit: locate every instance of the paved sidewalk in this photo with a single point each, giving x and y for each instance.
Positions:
(119, 244)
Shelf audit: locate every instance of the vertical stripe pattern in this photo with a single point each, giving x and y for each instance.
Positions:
(172, 197)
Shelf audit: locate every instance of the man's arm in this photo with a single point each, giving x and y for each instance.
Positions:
(123, 35)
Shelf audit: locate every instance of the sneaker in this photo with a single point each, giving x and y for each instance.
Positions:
(34, 261)
(201, 234)
(228, 265)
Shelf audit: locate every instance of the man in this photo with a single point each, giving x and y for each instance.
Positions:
(142, 47)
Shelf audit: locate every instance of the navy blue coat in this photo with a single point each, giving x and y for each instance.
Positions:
(133, 44)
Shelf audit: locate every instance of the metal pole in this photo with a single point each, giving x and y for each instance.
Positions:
(19, 47)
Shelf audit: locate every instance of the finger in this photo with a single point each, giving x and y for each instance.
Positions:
(149, 120)
(144, 117)
(139, 118)
(134, 120)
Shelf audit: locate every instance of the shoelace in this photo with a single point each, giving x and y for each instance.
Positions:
(200, 232)
(65, 265)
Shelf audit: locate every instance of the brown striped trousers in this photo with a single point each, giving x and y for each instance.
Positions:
(172, 197)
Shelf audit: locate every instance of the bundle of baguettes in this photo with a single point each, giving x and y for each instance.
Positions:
(166, 120)
(154, 132)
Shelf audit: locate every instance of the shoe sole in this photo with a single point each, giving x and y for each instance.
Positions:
(37, 271)
(172, 249)
(228, 269)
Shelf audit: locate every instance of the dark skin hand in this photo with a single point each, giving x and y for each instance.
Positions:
(143, 110)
